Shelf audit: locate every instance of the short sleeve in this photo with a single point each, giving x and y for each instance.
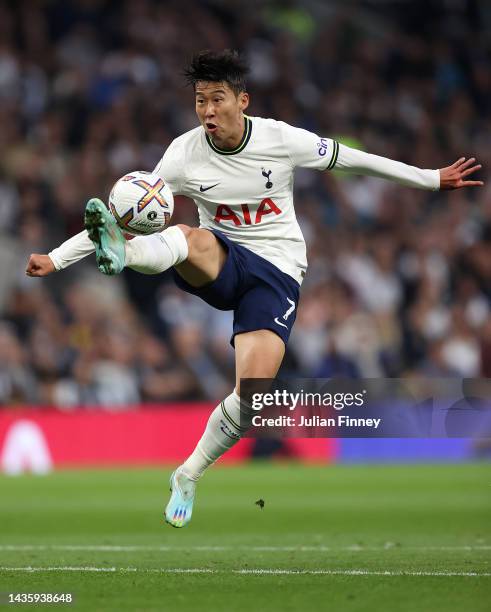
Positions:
(307, 150)
(171, 167)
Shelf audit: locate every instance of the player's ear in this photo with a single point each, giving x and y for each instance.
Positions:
(243, 100)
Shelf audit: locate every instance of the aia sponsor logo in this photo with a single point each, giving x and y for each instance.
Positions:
(225, 213)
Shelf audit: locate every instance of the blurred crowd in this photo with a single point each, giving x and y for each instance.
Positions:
(399, 282)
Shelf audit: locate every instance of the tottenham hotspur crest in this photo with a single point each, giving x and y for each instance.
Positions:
(266, 175)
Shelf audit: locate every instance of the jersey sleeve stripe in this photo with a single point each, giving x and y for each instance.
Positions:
(334, 158)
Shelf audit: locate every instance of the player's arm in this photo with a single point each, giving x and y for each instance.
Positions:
(69, 252)
(308, 150)
(452, 177)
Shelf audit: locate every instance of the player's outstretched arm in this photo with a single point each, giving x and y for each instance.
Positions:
(453, 177)
(69, 252)
(358, 162)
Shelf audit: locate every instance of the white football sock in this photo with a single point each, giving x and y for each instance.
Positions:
(158, 252)
(223, 430)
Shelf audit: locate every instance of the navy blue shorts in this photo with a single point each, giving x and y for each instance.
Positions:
(261, 295)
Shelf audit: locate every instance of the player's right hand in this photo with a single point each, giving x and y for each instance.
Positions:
(39, 265)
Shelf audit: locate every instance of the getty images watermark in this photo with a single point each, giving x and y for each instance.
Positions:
(304, 399)
(383, 408)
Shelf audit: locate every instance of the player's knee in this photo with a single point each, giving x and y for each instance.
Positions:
(200, 241)
(190, 233)
(185, 229)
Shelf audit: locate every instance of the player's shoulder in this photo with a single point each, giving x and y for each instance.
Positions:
(266, 124)
(189, 136)
(272, 129)
(175, 160)
(185, 142)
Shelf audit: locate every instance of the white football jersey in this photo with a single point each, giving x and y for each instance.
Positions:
(247, 193)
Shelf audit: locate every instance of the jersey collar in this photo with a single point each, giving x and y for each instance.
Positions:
(242, 144)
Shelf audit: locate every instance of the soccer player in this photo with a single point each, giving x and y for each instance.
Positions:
(248, 254)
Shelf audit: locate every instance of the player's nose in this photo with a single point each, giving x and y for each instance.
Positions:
(209, 111)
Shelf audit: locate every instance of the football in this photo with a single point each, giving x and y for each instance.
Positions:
(142, 203)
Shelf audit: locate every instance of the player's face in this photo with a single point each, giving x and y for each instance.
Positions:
(220, 112)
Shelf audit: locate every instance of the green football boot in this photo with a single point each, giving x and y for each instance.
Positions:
(107, 237)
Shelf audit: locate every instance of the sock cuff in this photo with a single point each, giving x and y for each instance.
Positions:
(156, 253)
(244, 407)
(231, 409)
(176, 241)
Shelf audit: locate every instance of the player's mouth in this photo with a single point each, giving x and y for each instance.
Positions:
(211, 128)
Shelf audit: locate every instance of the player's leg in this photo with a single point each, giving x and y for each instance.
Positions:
(206, 256)
(264, 312)
(196, 253)
(259, 354)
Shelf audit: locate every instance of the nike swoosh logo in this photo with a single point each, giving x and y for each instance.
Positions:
(280, 323)
(201, 188)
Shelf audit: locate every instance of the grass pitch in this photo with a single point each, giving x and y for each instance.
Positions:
(342, 538)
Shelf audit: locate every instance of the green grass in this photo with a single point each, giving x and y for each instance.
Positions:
(397, 519)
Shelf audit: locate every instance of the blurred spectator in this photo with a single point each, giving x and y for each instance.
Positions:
(17, 383)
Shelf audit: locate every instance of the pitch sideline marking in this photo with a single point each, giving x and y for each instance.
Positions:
(320, 548)
(257, 572)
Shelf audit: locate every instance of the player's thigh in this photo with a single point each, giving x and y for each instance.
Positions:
(258, 354)
(206, 257)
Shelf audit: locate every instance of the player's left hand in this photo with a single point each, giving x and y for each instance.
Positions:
(453, 177)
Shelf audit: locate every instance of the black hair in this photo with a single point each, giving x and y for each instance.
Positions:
(224, 66)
